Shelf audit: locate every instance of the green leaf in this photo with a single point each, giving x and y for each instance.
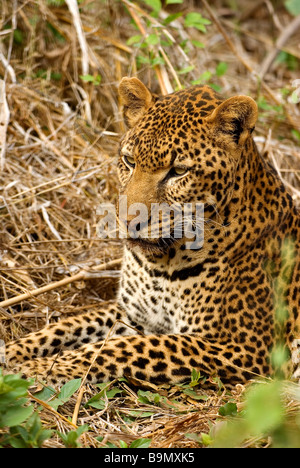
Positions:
(46, 393)
(154, 4)
(289, 60)
(31, 436)
(86, 77)
(206, 439)
(295, 97)
(264, 411)
(152, 39)
(191, 393)
(216, 87)
(18, 36)
(98, 401)
(149, 398)
(134, 39)
(70, 439)
(279, 356)
(198, 43)
(229, 409)
(170, 2)
(186, 70)
(195, 377)
(205, 76)
(141, 414)
(157, 61)
(91, 79)
(293, 7)
(14, 385)
(221, 68)
(169, 19)
(142, 60)
(296, 134)
(67, 390)
(140, 443)
(197, 21)
(15, 415)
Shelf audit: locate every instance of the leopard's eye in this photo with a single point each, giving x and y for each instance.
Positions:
(177, 171)
(129, 161)
(180, 170)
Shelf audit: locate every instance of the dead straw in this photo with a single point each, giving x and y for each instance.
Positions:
(57, 284)
(59, 162)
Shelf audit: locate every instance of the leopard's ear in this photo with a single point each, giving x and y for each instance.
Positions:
(233, 121)
(135, 98)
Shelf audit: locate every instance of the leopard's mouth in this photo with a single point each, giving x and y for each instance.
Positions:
(156, 247)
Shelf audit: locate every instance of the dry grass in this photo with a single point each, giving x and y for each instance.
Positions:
(59, 155)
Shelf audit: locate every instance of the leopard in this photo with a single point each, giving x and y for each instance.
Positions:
(221, 306)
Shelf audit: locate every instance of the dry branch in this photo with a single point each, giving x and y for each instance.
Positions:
(73, 7)
(57, 284)
(282, 39)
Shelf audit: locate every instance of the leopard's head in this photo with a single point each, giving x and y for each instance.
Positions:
(180, 150)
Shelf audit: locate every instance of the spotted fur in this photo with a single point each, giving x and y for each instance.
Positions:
(219, 309)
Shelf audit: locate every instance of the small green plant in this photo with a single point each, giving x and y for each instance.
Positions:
(264, 417)
(202, 439)
(229, 409)
(295, 134)
(156, 41)
(99, 401)
(70, 439)
(196, 20)
(138, 443)
(189, 388)
(55, 399)
(47, 75)
(150, 398)
(291, 62)
(14, 408)
(22, 427)
(96, 80)
(29, 435)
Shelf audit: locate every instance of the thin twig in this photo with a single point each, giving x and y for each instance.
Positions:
(52, 410)
(78, 403)
(226, 37)
(57, 284)
(74, 10)
(8, 69)
(282, 39)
